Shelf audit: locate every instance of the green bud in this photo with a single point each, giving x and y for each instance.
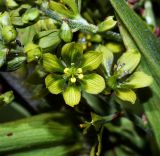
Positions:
(9, 33)
(15, 63)
(6, 98)
(96, 38)
(5, 19)
(109, 23)
(115, 47)
(66, 32)
(30, 15)
(2, 57)
(11, 4)
(33, 52)
(49, 39)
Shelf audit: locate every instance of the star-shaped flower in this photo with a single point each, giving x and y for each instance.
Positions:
(121, 77)
(73, 73)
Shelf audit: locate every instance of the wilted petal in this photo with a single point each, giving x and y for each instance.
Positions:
(54, 83)
(51, 63)
(93, 83)
(72, 95)
(128, 62)
(138, 80)
(126, 95)
(91, 60)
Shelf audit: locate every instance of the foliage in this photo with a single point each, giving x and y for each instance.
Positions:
(78, 67)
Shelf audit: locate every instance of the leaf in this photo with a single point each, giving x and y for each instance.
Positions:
(54, 83)
(114, 47)
(72, 53)
(51, 63)
(126, 95)
(93, 83)
(72, 95)
(40, 130)
(91, 60)
(138, 80)
(137, 34)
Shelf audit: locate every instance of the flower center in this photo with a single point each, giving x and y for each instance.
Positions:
(73, 74)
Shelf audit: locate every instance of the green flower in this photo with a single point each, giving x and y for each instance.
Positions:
(120, 77)
(73, 73)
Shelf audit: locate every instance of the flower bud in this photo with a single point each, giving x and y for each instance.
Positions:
(9, 33)
(5, 19)
(66, 32)
(30, 15)
(33, 52)
(109, 23)
(15, 63)
(11, 4)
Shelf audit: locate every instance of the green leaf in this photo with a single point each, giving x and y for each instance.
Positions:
(72, 95)
(41, 130)
(127, 63)
(93, 83)
(108, 24)
(54, 83)
(60, 150)
(91, 60)
(138, 80)
(107, 60)
(72, 53)
(51, 63)
(6, 98)
(126, 95)
(140, 36)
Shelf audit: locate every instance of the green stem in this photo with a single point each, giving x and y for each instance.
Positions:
(74, 24)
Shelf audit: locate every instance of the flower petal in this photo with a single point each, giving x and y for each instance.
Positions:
(126, 95)
(107, 60)
(138, 80)
(93, 83)
(72, 95)
(51, 63)
(72, 53)
(91, 60)
(128, 62)
(54, 83)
